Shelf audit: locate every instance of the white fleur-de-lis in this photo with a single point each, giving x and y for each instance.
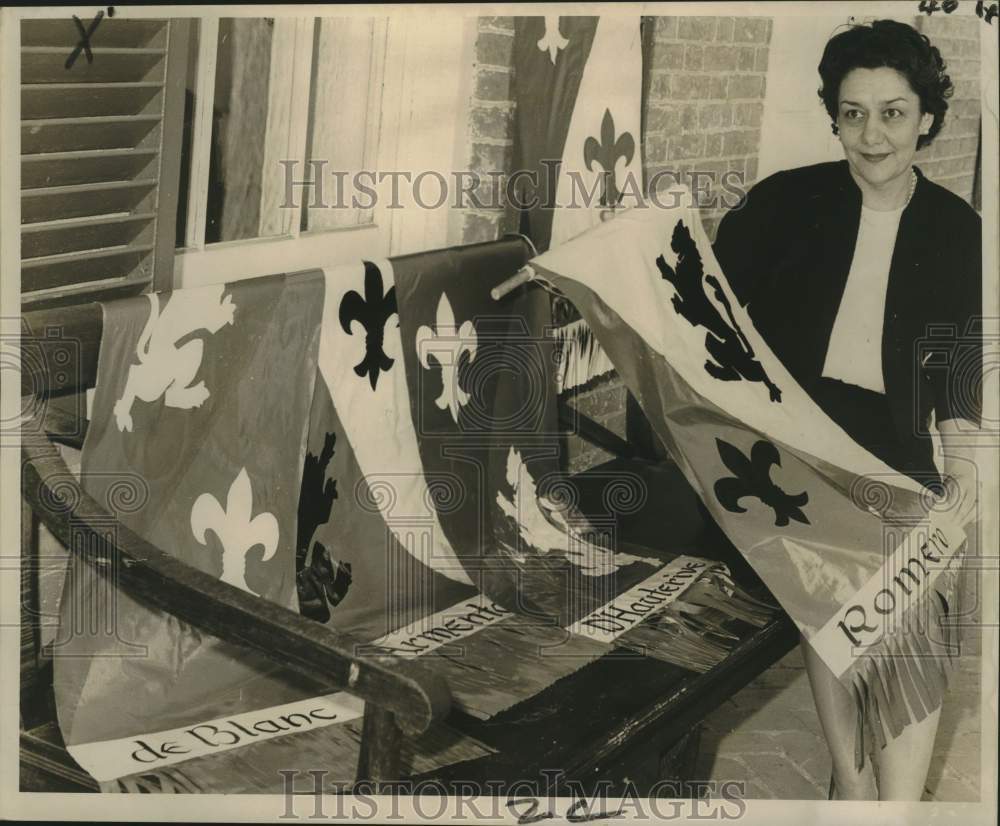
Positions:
(235, 528)
(552, 41)
(446, 346)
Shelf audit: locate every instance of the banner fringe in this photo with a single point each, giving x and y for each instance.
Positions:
(581, 358)
(692, 631)
(717, 589)
(158, 781)
(905, 677)
(676, 640)
(915, 699)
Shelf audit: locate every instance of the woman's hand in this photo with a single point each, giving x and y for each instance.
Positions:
(959, 441)
(962, 490)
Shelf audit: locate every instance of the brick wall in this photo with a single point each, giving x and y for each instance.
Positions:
(951, 159)
(708, 76)
(491, 122)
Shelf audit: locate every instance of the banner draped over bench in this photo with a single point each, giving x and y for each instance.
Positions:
(375, 446)
(861, 557)
(189, 445)
(577, 88)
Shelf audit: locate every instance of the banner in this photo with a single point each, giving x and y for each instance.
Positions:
(854, 551)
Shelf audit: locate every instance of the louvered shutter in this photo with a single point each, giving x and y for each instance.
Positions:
(100, 158)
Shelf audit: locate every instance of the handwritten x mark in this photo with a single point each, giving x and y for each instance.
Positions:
(84, 44)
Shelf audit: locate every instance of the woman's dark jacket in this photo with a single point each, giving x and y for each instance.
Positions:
(787, 253)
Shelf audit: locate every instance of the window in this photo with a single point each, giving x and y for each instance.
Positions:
(273, 101)
(187, 144)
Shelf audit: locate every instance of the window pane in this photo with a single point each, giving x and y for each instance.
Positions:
(344, 112)
(185, 174)
(239, 128)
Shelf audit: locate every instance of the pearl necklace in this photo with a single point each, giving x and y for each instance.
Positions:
(913, 187)
(909, 194)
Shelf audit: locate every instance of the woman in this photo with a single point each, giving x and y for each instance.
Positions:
(844, 267)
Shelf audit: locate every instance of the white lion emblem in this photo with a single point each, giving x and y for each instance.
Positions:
(164, 369)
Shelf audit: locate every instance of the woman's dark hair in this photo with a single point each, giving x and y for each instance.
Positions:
(896, 46)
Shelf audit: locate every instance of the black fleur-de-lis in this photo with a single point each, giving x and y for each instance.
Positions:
(321, 582)
(986, 13)
(606, 152)
(753, 478)
(372, 312)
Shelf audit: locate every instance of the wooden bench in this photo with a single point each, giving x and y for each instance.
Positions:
(622, 717)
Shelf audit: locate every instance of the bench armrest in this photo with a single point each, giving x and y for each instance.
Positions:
(412, 693)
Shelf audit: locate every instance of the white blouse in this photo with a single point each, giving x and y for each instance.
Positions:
(854, 354)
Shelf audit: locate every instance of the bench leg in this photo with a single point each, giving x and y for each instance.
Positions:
(679, 762)
(381, 740)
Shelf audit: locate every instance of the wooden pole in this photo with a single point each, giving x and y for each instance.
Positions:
(381, 739)
(522, 276)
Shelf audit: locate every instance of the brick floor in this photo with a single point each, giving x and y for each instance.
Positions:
(768, 735)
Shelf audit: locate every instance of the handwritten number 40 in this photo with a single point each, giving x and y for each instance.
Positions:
(984, 12)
